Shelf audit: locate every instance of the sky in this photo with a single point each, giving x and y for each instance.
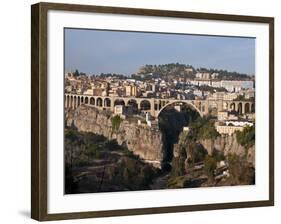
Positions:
(99, 51)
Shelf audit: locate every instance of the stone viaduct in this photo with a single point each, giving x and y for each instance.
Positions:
(155, 105)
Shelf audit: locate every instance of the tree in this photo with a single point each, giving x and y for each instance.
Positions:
(116, 121)
(92, 151)
(72, 141)
(240, 98)
(76, 73)
(210, 165)
(246, 137)
(178, 166)
(241, 172)
(146, 175)
(126, 175)
(203, 128)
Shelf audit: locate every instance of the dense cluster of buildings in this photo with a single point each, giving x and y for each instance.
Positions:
(205, 86)
(159, 88)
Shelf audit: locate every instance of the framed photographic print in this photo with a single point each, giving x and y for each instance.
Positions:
(139, 111)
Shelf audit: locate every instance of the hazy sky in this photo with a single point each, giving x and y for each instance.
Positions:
(96, 51)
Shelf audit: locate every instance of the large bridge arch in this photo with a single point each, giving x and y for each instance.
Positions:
(175, 102)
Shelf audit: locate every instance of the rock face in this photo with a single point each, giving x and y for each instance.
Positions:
(142, 140)
(225, 144)
(229, 145)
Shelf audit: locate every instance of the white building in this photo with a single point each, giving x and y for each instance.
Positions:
(237, 85)
(228, 130)
(201, 82)
(119, 109)
(202, 75)
(214, 75)
(88, 92)
(229, 85)
(222, 115)
(198, 93)
(239, 123)
(222, 96)
(216, 83)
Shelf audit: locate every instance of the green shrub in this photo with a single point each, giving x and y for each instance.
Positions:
(218, 156)
(210, 165)
(116, 121)
(71, 135)
(246, 137)
(241, 172)
(199, 153)
(204, 128)
(81, 161)
(146, 175)
(92, 151)
(112, 145)
(177, 182)
(178, 166)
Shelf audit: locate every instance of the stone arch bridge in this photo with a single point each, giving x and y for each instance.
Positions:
(155, 105)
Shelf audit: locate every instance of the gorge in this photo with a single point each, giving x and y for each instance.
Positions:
(170, 153)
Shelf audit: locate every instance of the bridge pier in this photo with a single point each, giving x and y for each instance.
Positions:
(152, 108)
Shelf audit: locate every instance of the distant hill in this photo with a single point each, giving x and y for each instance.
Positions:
(177, 70)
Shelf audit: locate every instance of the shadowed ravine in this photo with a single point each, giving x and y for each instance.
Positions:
(171, 123)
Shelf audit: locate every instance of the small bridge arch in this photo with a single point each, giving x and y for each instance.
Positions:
(145, 105)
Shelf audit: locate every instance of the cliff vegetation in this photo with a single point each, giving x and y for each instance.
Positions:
(202, 157)
(96, 164)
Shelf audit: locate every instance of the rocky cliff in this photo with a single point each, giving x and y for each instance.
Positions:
(142, 140)
(229, 145)
(225, 144)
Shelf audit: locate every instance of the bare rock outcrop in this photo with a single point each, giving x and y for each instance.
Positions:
(229, 145)
(225, 144)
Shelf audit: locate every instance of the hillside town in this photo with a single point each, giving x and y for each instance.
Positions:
(229, 98)
(166, 126)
